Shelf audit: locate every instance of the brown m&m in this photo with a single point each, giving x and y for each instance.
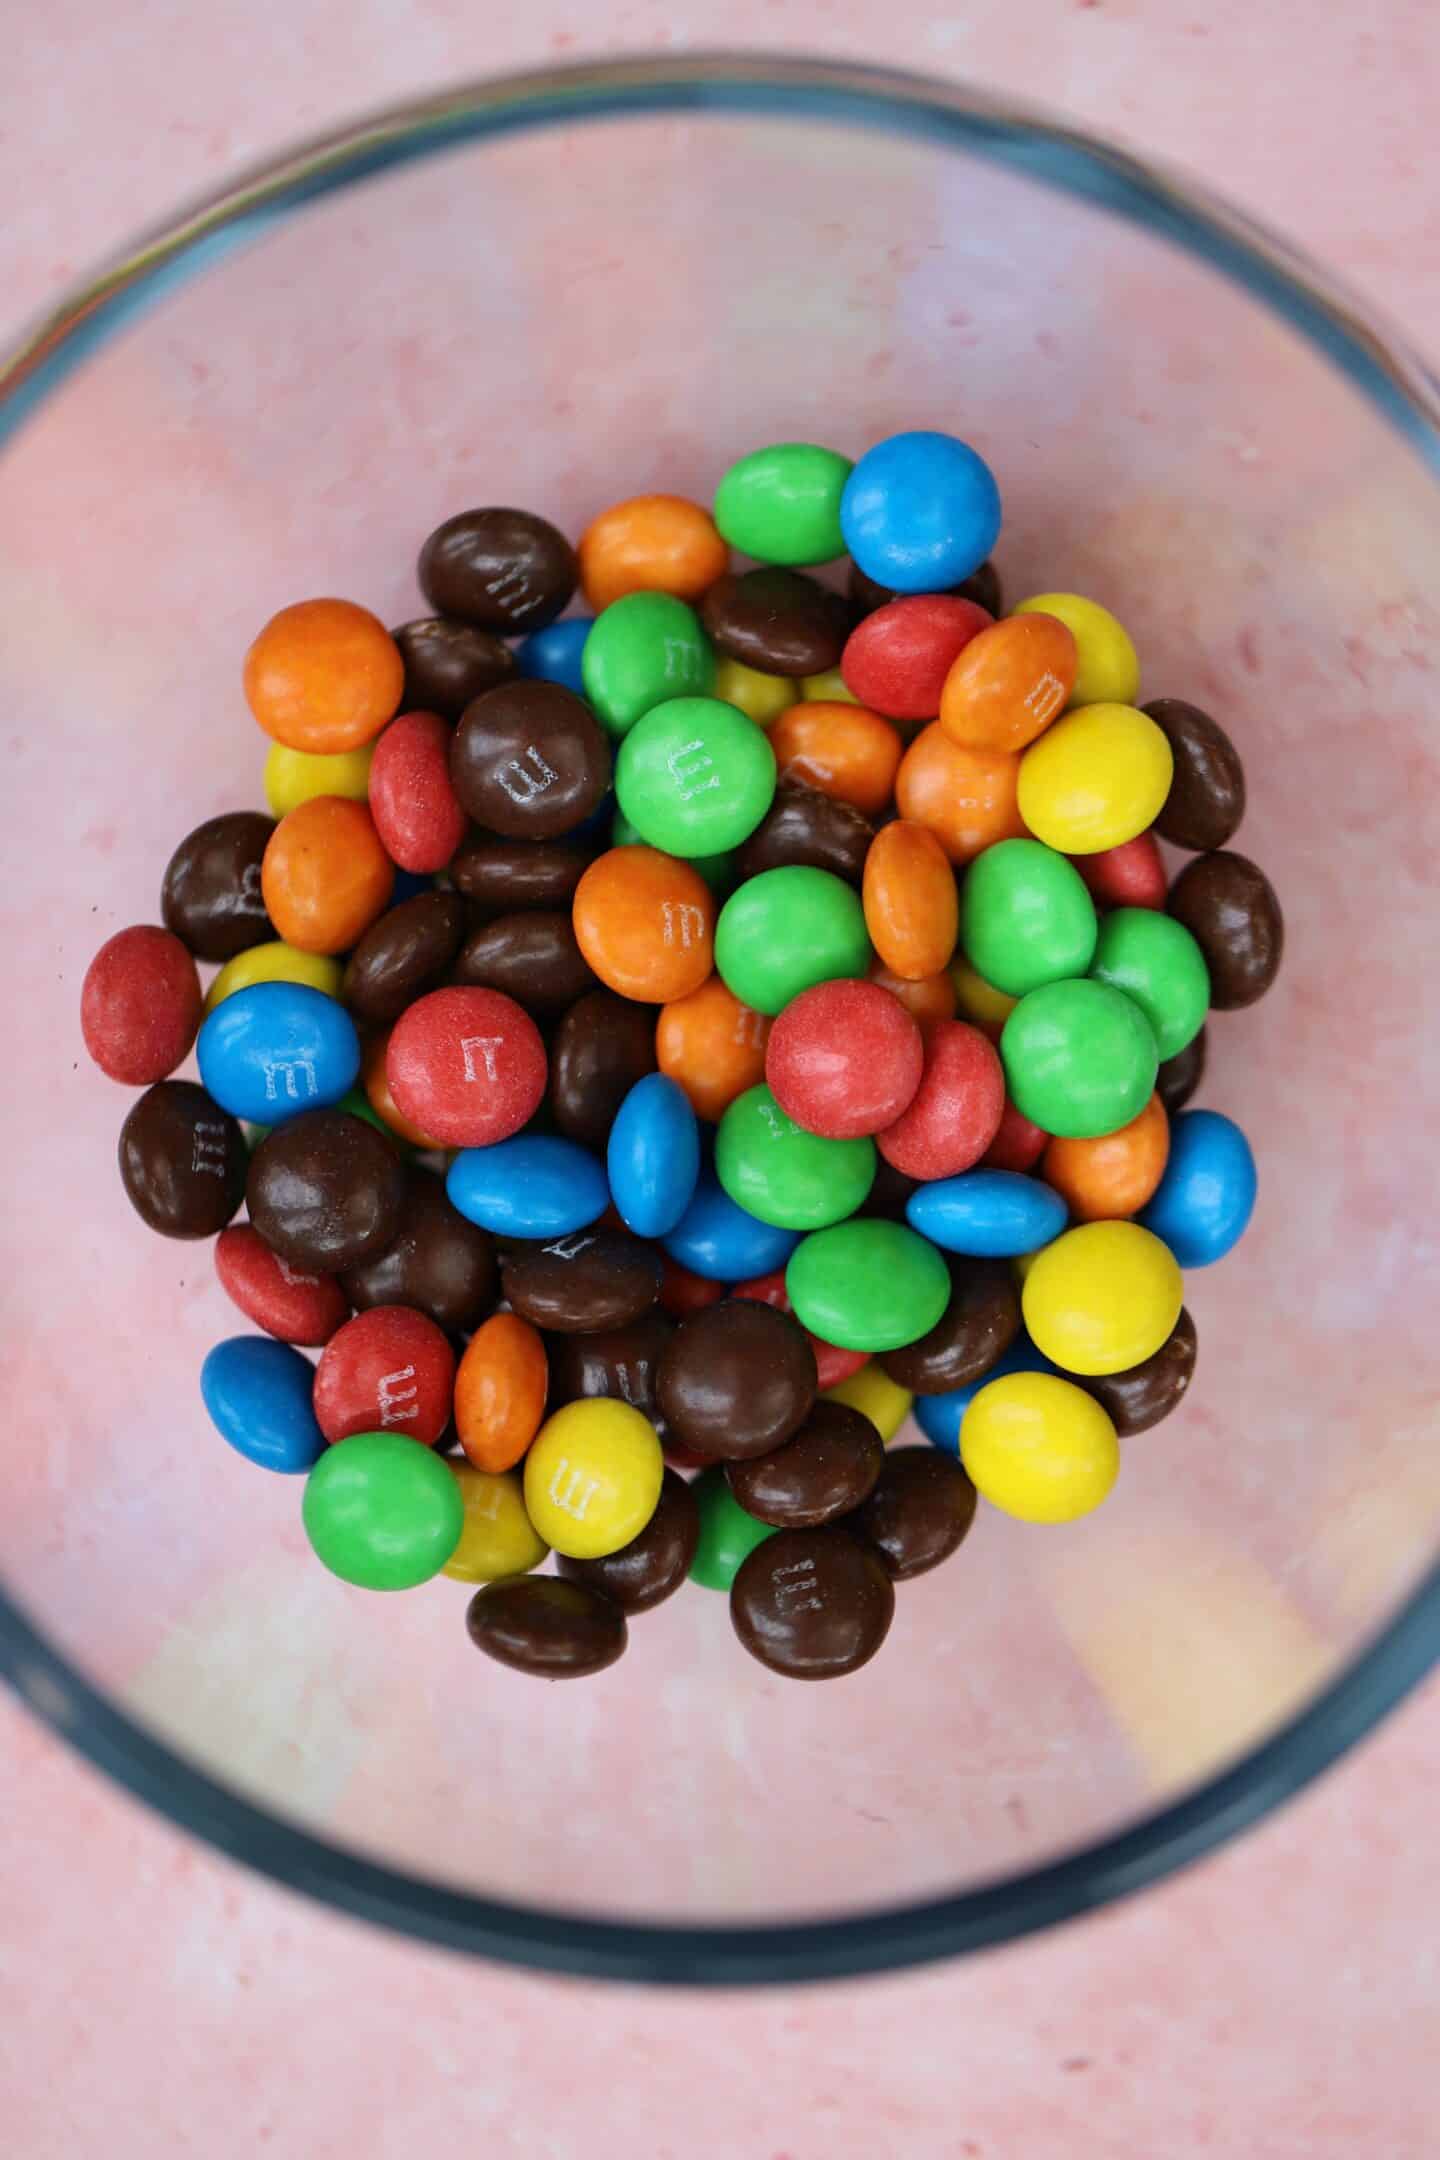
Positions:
(529, 761)
(182, 1160)
(736, 1380)
(545, 1625)
(504, 570)
(812, 1604)
(326, 1191)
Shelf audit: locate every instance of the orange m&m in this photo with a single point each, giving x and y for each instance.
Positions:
(324, 676)
(712, 1046)
(1009, 683)
(968, 798)
(646, 924)
(651, 543)
(325, 877)
(845, 751)
(912, 908)
(1103, 1180)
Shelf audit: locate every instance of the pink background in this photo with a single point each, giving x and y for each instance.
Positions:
(1279, 2001)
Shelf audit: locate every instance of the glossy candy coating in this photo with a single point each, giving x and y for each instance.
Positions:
(652, 1567)
(511, 875)
(642, 650)
(844, 1059)
(782, 504)
(528, 761)
(466, 1066)
(593, 1279)
(387, 1370)
(722, 1243)
(1080, 1058)
(618, 1361)
(1203, 1204)
(1157, 963)
(1009, 683)
(776, 620)
(210, 896)
(291, 777)
(786, 929)
(382, 1511)
(736, 1380)
(781, 1173)
(1101, 1298)
(1206, 801)
(694, 776)
(876, 1396)
(602, 1047)
(990, 1214)
(1145, 1394)
(650, 543)
(940, 1416)
(1231, 910)
(258, 1395)
(275, 962)
(867, 1285)
(804, 828)
(919, 1513)
(728, 1532)
(1131, 875)
(955, 1112)
(822, 1471)
(140, 1005)
(592, 1477)
(920, 511)
(555, 654)
(326, 876)
(976, 1328)
(289, 1303)
(646, 924)
(812, 1604)
(533, 956)
(407, 952)
(1114, 1176)
(912, 909)
(277, 1049)
(1038, 1447)
(927, 999)
(324, 676)
(652, 1158)
(498, 1541)
(500, 1387)
(182, 1160)
(762, 698)
(1025, 917)
(503, 570)
(712, 1046)
(531, 1186)
(437, 1262)
(841, 750)
(1179, 1077)
(897, 659)
(448, 663)
(1095, 779)
(412, 802)
(968, 798)
(326, 1190)
(546, 1627)
(1107, 669)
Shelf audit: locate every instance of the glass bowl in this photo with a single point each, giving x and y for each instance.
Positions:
(557, 290)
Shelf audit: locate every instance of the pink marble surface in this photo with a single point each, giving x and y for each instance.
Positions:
(1181, 2024)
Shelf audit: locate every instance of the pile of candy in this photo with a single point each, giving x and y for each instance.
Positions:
(685, 1038)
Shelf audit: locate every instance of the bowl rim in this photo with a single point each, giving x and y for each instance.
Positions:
(1381, 366)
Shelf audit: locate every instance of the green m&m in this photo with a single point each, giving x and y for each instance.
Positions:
(728, 1534)
(1155, 961)
(867, 1285)
(694, 776)
(778, 1172)
(786, 929)
(782, 504)
(1026, 917)
(640, 651)
(1080, 1059)
(383, 1511)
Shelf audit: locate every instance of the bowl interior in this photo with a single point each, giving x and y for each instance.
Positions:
(558, 319)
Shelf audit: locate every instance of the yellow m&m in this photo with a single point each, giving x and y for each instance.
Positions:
(762, 698)
(1095, 779)
(1039, 1447)
(275, 962)
(498, 1538)
(1102, 1297)
(876, 1396)
(592, 1477)
(294, 776)
(1108, 667)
